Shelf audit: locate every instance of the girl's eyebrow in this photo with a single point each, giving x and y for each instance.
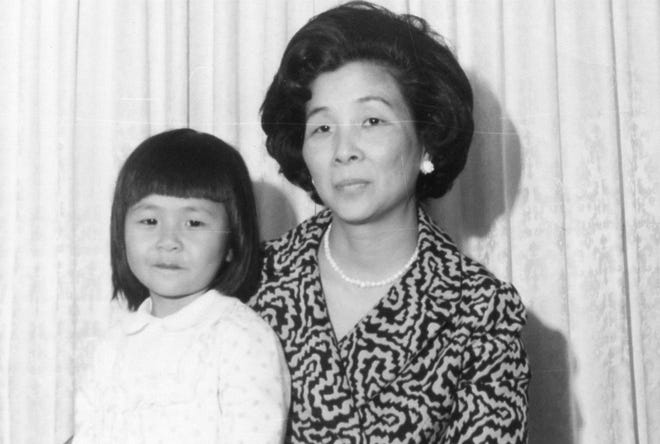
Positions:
(187, 208)
(143, 206)
(198, 209)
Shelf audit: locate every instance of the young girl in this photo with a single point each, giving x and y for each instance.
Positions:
(191, 363)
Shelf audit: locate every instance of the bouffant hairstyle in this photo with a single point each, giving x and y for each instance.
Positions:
(189, 164)
(437, 90)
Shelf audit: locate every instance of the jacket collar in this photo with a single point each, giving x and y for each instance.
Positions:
(414, 311)
(412, 314)
(297, 249)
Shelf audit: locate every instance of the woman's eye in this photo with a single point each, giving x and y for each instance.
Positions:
(195, 223)
(148, 221)
(321, 129)
(372, 121)
(318, 129)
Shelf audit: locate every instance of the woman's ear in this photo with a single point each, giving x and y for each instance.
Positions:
(229, 255)
(426, 167)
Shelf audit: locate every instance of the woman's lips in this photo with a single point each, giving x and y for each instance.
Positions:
(350, 184)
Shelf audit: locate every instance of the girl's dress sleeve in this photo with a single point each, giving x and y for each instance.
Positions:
(87, 393)
(492, 391)
(254, 385)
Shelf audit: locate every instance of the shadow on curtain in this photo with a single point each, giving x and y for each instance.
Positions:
(276, 212)
(554, 414)
(485, 193)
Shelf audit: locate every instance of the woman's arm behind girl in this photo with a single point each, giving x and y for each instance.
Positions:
(253, 380)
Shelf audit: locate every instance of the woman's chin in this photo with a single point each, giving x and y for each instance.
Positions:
(364, 211)
(362, 214)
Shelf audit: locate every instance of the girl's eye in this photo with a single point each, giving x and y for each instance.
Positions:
(372, 121)
(195, 223)
(148, 221)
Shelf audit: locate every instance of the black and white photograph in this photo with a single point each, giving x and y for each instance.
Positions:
(330, 222)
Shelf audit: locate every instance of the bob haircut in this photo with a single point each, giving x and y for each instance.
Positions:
(186, 163)
(435, 87)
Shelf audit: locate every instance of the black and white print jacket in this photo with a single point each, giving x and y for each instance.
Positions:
(438, 360)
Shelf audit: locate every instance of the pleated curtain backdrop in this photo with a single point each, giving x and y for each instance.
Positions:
(561, 194)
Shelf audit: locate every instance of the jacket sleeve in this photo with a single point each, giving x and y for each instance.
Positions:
(491, 397)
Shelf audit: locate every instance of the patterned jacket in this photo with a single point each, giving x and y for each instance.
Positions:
(438, 360)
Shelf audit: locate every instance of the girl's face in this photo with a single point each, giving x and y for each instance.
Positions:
(175, 247)
(361, 146)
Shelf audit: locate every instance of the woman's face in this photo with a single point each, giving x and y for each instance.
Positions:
(360, 144)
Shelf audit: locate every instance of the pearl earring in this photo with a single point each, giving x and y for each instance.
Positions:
(427, 166)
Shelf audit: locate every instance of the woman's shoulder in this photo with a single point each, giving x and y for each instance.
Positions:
(493, 304)
(445, 259)
(484, 300)
(477, 277)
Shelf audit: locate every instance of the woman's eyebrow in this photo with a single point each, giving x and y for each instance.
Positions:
(375, 98)
(315, 110)
(364, 99)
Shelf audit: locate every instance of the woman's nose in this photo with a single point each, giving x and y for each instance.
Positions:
(346, 144)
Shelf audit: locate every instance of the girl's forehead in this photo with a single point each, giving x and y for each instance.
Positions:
(167, 202)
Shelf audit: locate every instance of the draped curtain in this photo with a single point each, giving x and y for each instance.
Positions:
(561, 195)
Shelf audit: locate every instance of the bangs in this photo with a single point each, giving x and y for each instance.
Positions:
(187, 170)
(209, 184)
(188, 164)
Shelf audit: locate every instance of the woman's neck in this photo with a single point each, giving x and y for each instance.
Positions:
(372, 251)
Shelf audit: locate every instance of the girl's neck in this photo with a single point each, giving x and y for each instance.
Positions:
(162, 306)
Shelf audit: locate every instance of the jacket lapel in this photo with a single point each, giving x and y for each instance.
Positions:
(403, 323)
(309, 341)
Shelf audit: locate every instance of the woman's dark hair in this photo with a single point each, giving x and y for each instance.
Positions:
(186, 163)
(437, 90)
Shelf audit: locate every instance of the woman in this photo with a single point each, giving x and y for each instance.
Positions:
(390, 333)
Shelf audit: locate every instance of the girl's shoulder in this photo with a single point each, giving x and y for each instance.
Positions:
(233, 317)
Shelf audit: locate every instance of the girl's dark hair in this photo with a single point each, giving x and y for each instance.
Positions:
(186, 163)
(437, 90)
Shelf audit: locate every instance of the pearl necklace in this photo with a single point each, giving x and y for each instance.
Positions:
(358, 282)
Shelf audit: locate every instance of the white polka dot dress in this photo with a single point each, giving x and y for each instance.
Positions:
(213, 372)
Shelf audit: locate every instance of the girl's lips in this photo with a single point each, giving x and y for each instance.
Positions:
(168, 266)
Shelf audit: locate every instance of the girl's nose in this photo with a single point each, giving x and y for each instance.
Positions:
(169, 239)
(346, 144)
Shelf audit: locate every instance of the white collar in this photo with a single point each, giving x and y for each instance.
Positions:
(186, 317)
